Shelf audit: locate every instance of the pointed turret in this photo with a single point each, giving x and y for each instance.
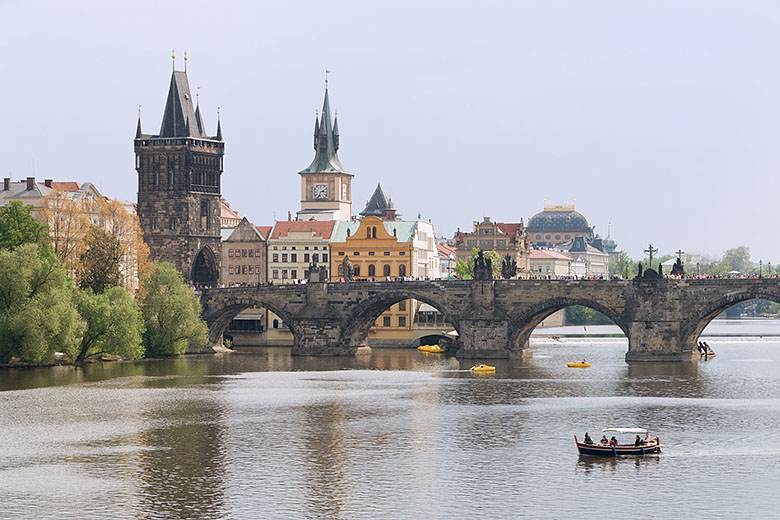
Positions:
(219, 130)
(325, 143)
(138, 132)
(199, 120)
(336, 133)
(316, 131)
(178, 109)
(379, 204)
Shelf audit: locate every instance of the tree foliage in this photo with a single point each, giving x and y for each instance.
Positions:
(171, 313)
(98, 267)
(37, 314)
(18, 226)
(465, 268)
(579, 315)
(133, 251)
(114, 325)
(68, 226)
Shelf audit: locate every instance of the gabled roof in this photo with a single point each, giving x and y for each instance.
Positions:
(326, 144)
(511, 229)
(321, 228)
(445, 250)
(378, 204)
(545, 254)
(244, 232)
(265, 231)
(65, 186)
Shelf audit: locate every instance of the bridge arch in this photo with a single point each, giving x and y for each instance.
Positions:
(355, 329)
(220, 317)
(521, 325)
(692, 328)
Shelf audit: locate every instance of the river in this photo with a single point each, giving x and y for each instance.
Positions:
(397, 434)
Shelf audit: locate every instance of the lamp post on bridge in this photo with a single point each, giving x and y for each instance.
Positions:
(760, 265)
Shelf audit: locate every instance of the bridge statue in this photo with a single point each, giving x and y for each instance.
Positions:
(661, 317)
(346, 270)
(483, 268)
(508, 267)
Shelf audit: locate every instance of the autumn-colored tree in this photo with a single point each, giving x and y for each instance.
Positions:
(134, 262)
(98, 266)
(68, 226)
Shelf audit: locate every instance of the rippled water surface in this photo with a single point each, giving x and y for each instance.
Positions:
(398, 434)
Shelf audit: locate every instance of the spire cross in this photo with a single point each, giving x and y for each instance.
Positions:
(650, 251)
(679, 254)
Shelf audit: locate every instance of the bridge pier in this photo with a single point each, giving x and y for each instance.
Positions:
(487, 337)
(659, 341)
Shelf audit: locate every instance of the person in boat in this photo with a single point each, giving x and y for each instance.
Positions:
(637, 441)
(588, 440)
(613, 441)
(647, 438)
(603, 440)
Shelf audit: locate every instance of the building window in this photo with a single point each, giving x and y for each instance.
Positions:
(402, 305)
(402, 321)
(386, 253)
(356, 253)
(276, 257)
(402, 253)
(243, 253)
(372, 270)
(257, 252)
(341, 253)
(230, 253)
(294, 273)
(557, 237)
(538, 237)
(275, 324)
(568, 237)
(402, 270)
(293, 248)
(315, 257)
(284, 274)
(251, 269)
(547, 237)
(386, 270)
(230, 269)
(306, 248)
(275, 248)
(306, 257)
(315, 248)
(324, 257)
(293, 257)
(276, 274)
(243, 269)
(284, 257)
(284, 248)
(251, 253)
(386, 321)
(371, 253)
(204, 214)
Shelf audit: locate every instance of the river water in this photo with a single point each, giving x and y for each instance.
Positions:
(397, 434)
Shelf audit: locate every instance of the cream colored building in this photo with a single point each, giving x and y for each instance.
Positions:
(244, 256)
(505, 238)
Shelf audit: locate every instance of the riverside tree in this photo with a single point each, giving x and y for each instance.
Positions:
(37, 314)
(465, 268)
(171, 313)
(98, 267)
(114, 325)
(18, 226)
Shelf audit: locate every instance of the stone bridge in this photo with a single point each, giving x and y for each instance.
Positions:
(662, 319)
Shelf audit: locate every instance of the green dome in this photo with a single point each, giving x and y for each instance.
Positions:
(562, 219)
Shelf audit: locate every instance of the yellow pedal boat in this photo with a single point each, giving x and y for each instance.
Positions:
(435, 349)
(578, 364)
(482, 368)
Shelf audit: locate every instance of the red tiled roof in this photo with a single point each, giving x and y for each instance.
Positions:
(226, 212)
(265, 231)
(510, 229)
(65, 186)
(445, 250)
(321, 228)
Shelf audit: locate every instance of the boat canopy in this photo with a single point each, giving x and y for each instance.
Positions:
(625, 430)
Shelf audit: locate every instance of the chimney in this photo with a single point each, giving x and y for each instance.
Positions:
(7, 183)
(289, 216)
(47, 183)
(30, 183)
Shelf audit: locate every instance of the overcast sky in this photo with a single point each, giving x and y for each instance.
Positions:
(661, 117)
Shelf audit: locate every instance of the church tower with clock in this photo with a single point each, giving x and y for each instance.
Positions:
(326, 186)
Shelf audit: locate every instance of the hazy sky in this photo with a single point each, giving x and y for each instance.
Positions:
(662, 117)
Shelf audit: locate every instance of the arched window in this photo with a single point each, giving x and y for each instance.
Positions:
(368, 232)
(348, 232)
(276, 324)
(402, 270)
(356, 270)
(372, 270)
(386, 270)
(341, 270)
(373, 232)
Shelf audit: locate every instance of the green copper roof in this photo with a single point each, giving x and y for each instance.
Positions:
(326, 144)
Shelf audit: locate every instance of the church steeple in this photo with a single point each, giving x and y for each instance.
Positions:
(178, 109)
(325, 143)
(138, 132)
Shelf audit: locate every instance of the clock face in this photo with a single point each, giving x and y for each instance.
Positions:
(320, 191)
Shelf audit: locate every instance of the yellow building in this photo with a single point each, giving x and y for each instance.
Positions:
(381, 250)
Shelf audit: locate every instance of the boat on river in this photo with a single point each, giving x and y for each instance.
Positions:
(435, 349)
(578, 364)
(481, 367)
(625, 443)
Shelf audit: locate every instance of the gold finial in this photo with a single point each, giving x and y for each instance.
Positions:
(197, 93)
(326, 77)
(185, 61)
(173, 57)
(218, 109)
(139, 111)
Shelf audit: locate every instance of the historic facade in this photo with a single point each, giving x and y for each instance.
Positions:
(244, 256)
(505, 238)
(326, 186)
(179, 187)
(557, 225)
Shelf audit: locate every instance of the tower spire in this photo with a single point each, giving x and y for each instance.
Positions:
(219, 126)
(325, 141)
(138, 132)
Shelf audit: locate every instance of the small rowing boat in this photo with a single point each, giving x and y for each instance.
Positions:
(622, 445)
(435, 349)
(578, 364)
(481, 367)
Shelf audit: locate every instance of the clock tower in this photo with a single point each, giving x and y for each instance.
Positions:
(326, 186)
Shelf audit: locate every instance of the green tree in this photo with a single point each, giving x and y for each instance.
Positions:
(37, 313)
(98, 266)
(622, 265)
(465, 268)
(738, 259)
(580, 315)
(18, 226)
(114, 325)
(172, 313)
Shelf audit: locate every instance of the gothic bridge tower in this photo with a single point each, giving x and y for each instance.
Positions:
(179, 187)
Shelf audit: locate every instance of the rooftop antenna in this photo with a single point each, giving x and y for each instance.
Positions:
(185, 61)
(173, 57)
